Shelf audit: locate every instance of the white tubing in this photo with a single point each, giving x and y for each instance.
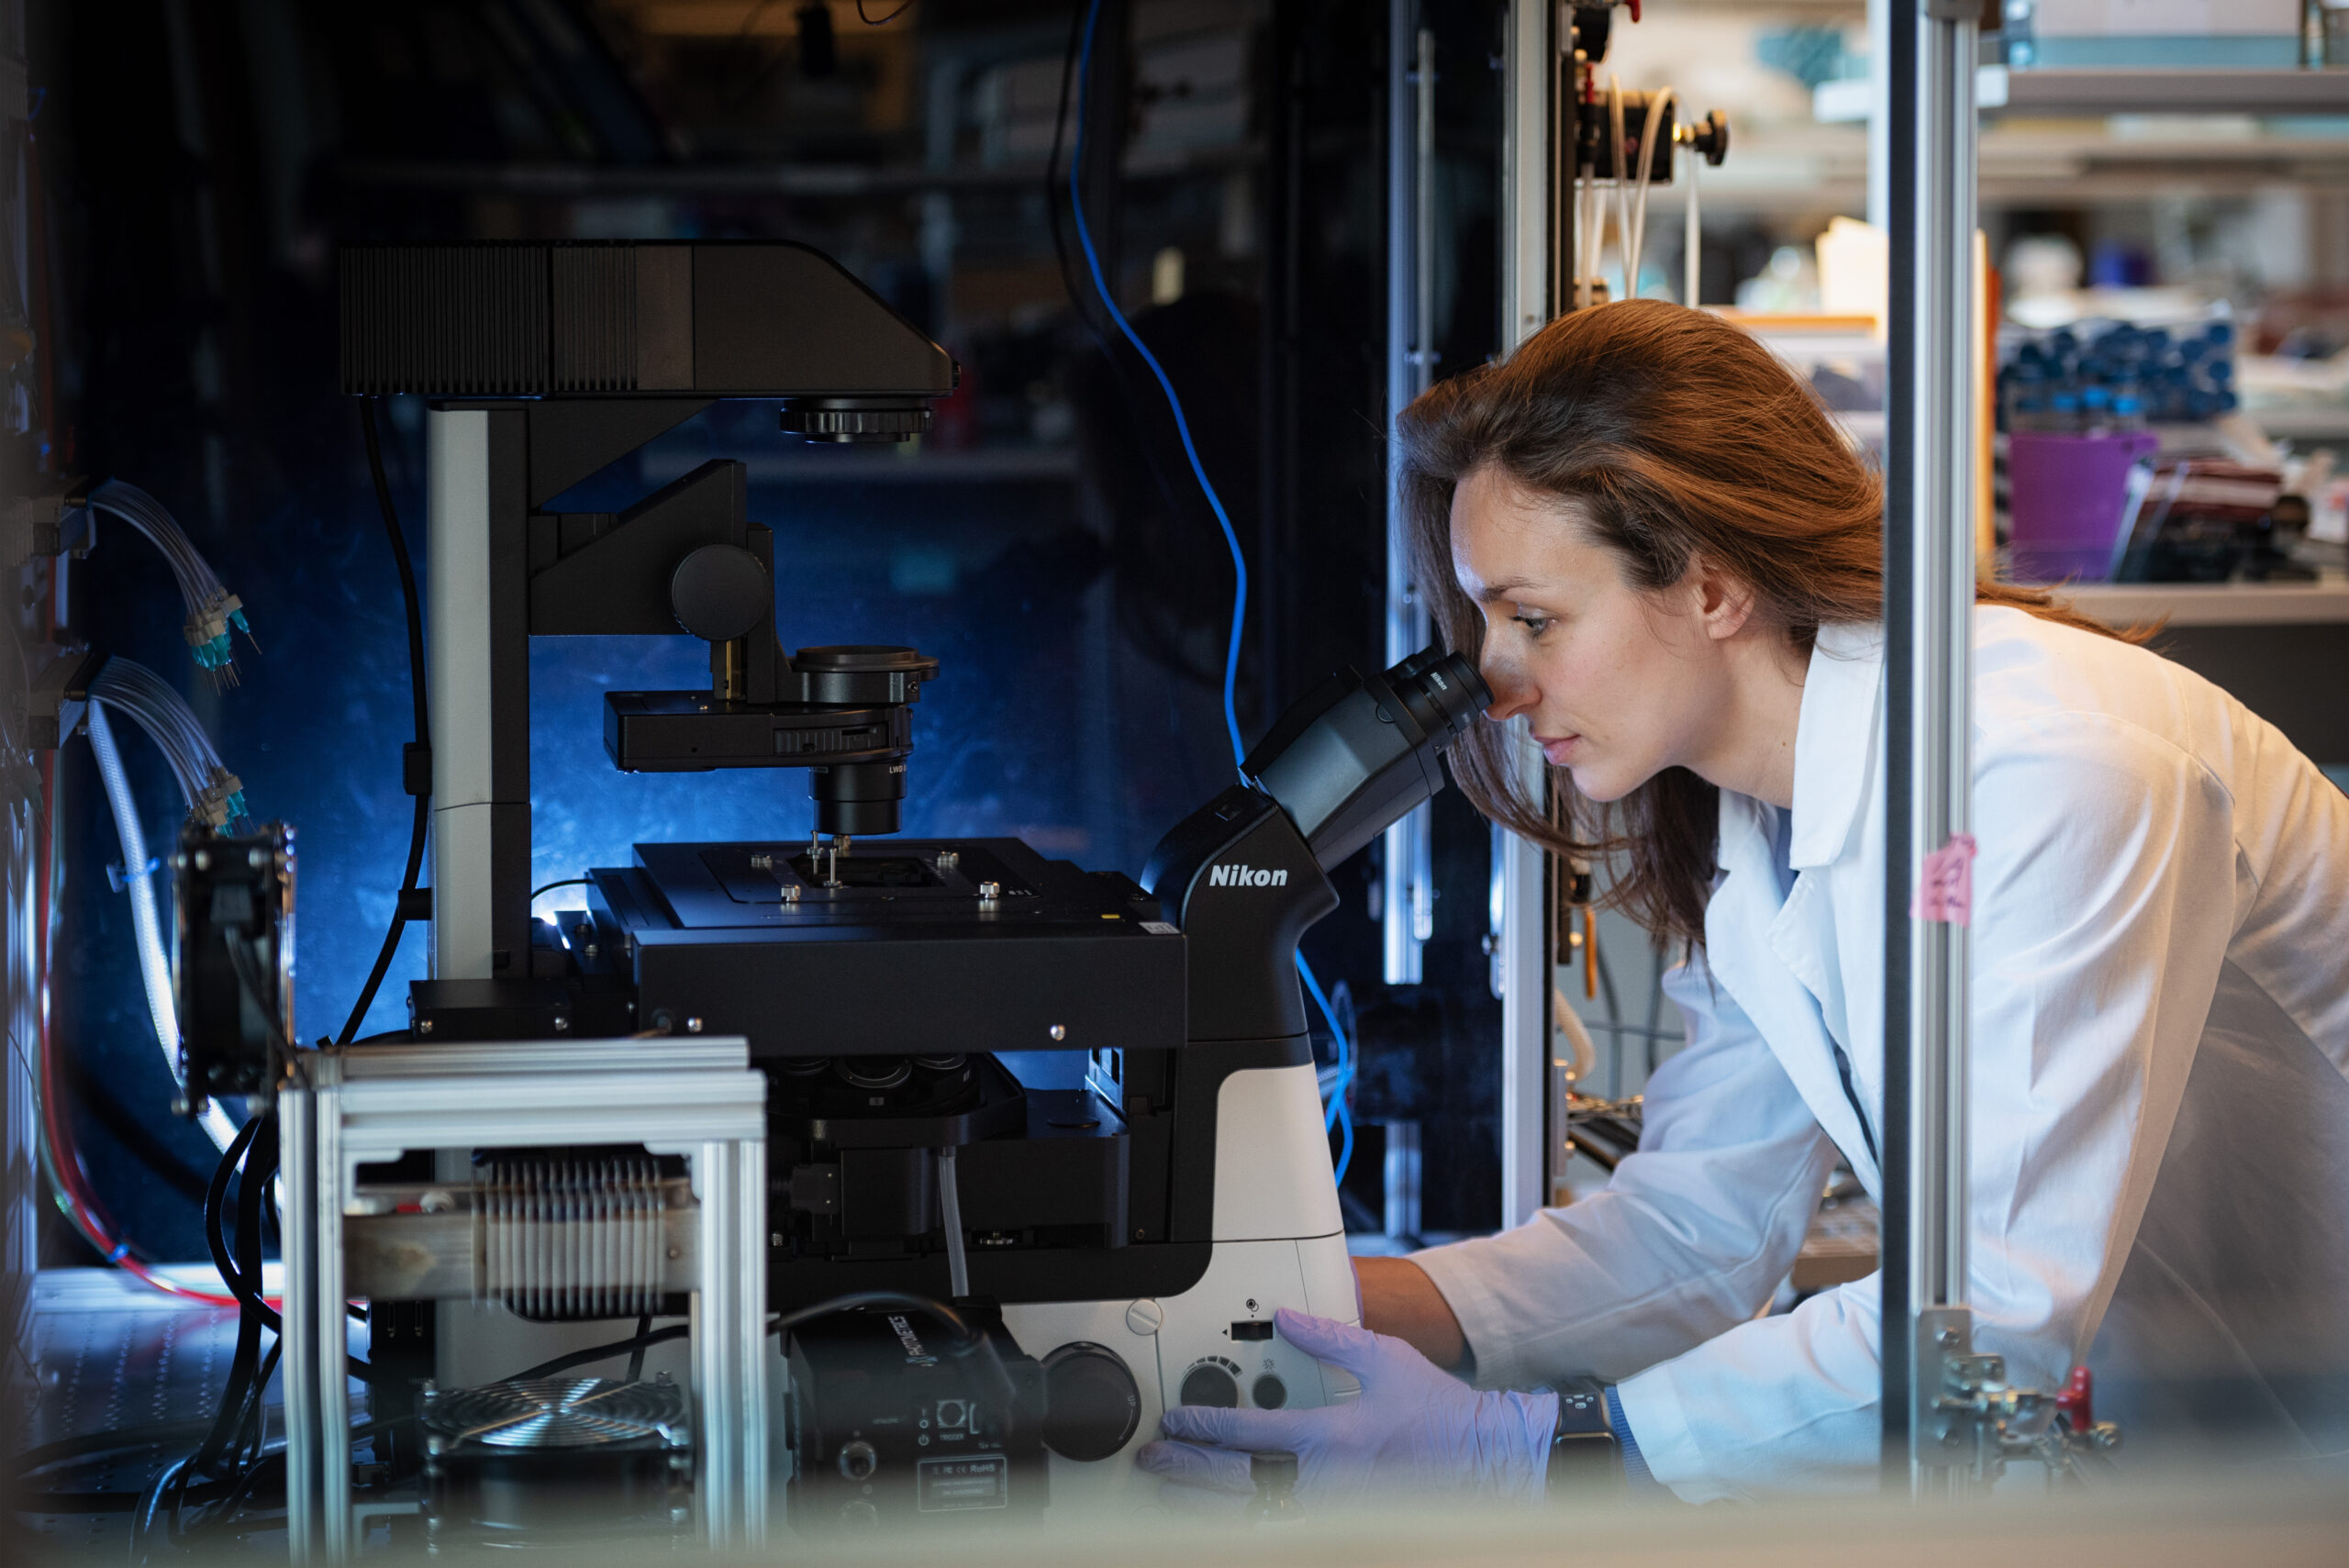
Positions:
(1638, 242)
(1692, 251)
(1623, 188)
(154, 969)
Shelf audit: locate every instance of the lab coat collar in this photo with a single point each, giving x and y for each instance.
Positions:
(1834, 740)
(1757, 953)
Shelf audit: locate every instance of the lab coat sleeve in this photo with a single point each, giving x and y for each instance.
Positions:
(2105, 894)
(1689, 1238)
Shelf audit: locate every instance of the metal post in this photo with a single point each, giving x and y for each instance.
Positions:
(1407, 890)
(307, 1451)
(730, 1317)
(1928, 604)
(457, 586)
(1529, 191)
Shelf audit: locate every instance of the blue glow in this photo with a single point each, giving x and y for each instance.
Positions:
(1336, 1110)
(1175, 403)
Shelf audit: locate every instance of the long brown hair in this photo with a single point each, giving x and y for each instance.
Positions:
(1671, 432)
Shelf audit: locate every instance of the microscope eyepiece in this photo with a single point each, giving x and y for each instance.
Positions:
(1362, 751)
(1442, 691)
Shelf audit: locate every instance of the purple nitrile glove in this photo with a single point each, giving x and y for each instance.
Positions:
(1413, 1428)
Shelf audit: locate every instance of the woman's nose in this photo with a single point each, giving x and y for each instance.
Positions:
(1512, 693)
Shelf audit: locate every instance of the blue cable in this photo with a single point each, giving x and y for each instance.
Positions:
(1182, 424)
(1337, 1110)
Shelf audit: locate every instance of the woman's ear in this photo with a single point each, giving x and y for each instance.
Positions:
(1724, 603)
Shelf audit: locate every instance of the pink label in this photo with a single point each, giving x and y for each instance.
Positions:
(1945, 882)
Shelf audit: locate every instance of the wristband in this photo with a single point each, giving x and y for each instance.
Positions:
(1585, 1464)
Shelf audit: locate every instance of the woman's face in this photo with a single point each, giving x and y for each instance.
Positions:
(1616, 682)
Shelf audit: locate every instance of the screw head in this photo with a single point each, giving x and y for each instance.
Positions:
(692, 1026)
(990, 890)
(256, 858)
(1946, 1339)
(424, 1026)
(204, 860)
(561, 1024)
(1058, 1032)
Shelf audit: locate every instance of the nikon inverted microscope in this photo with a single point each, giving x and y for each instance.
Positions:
(1106, 1250)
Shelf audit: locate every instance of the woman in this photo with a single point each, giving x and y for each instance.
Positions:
(1669, 563)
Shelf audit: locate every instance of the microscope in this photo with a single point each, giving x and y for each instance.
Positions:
(976, 1297)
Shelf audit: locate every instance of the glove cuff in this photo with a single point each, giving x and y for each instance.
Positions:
(1518, 1429)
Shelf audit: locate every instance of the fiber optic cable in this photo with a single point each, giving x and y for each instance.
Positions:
(1337, 1110)
(154, 969)
(213, 612)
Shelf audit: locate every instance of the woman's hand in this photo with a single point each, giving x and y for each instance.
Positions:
(1413, 1428)
(1398, 1298)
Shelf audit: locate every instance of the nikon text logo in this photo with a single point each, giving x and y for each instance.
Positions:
(1245, 876)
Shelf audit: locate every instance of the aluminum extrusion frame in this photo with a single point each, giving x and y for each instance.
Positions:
(697, 1099)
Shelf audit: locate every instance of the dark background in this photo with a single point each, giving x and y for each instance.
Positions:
(193, 166)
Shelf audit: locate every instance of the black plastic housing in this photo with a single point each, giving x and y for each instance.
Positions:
(574, 318)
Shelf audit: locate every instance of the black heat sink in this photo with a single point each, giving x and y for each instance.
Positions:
(623, 318)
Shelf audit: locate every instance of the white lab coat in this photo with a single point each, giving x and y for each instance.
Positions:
(2160, 1091)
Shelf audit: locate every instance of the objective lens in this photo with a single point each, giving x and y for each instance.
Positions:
(873, 1072)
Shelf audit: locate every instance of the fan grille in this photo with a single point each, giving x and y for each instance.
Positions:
(558, 1412)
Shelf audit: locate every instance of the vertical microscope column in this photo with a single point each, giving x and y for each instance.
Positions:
(1530, 185)
(477, 599)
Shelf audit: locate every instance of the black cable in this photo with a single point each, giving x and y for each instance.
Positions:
(242, 1273)
(215, 1199)
(594, 1353)
(636, 1357)
(958, 1326)
(964, 1339)
(413, 604)
(414, 608)
(245, 1282)
(95, 1445)
(882, 21)
(566, 882)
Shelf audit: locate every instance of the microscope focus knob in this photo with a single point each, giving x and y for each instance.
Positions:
(1211, 1384)
(1092, 1405)
(720, 592)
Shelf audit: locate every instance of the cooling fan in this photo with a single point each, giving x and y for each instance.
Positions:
(550, 1458)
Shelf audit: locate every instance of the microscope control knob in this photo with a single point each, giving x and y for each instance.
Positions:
(1092, 1405)
(1211, 1384)
(720, 592)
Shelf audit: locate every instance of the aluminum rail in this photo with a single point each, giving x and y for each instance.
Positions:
(1532, 193)
(1406, 872)
(1927, 621)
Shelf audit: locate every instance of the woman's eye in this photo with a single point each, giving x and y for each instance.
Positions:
(1534, 625)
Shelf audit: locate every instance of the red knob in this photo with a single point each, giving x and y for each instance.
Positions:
(2076, 1403)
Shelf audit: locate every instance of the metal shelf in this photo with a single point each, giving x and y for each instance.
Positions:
(2309, 424)
(2218, 92)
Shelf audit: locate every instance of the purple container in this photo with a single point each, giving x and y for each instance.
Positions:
(2068, 497)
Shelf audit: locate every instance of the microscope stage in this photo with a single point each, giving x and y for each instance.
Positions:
(902, 946)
